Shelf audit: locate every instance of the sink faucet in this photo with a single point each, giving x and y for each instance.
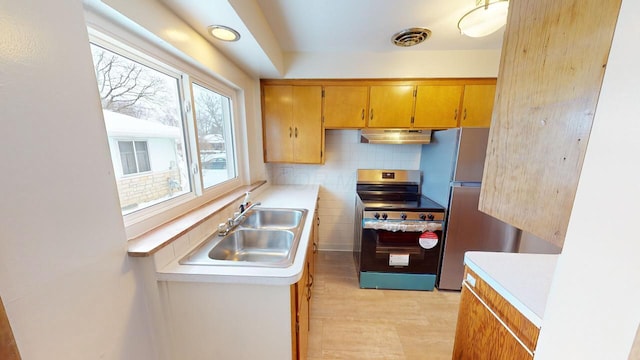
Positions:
(225, 228)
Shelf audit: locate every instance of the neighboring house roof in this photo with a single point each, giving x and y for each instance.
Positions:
(213, 138)
(120, 125)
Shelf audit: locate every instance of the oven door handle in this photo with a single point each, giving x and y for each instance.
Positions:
(413, 226)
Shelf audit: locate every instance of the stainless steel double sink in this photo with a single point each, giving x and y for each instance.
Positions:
(266, 237)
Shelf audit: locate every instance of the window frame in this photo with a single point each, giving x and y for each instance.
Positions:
(150, 54)
(195, 80)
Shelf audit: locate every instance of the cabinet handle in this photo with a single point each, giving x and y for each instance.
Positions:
(311, 281)
(371, 117)
(315, 248)
(455, 115)
(296, 132)
(464, 116)
(289, 131)
(498, 318)
(362, 115)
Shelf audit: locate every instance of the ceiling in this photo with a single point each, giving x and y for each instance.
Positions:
(272, 30)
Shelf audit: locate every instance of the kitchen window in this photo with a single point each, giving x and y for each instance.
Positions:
(170, 132)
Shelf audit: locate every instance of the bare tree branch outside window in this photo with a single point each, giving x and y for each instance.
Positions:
(129, 88)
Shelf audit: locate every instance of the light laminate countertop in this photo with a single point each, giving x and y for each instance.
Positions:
(279, 196)
(522, 279)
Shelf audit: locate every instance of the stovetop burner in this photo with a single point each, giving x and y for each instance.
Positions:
(394, 190)
(423, 204)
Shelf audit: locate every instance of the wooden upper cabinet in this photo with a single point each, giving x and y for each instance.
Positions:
(477, 105)
(345, 107)
(391, 106)
(292, 124)
(278, 122)
(551, 71)
(437, 106)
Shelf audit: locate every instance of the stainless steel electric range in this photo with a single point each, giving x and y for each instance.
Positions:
(398, 231)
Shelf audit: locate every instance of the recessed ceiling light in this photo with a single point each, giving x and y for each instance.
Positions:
(410, 37)
(223, 33)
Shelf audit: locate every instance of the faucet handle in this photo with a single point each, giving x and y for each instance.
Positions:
(222, 227)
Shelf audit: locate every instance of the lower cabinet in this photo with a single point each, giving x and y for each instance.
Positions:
(227, 320)
(489, 327)
(301, 295)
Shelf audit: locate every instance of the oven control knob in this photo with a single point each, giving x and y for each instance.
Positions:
(403, 216)
(430, 216)
(423, 217)
(384, 216)
(376, 215)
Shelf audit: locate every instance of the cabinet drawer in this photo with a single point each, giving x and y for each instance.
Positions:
(523, 329)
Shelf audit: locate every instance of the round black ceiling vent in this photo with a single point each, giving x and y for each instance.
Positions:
(411, 37)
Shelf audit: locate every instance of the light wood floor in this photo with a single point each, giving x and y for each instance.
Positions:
(352, 323)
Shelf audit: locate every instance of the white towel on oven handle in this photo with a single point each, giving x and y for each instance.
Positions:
(412, 226)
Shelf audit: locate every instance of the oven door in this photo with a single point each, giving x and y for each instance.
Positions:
(400, 251)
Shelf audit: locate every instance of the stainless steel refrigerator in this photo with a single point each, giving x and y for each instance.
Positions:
(452, 166)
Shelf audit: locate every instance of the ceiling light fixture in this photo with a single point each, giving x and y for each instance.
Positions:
(223, 33)
(485, 19)
(410, 37)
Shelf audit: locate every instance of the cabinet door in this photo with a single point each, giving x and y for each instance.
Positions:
(277, 125)
(303, 328)
(307, 124)
(391, 106)
(302, 314)
(481, 336)
(477, 105)
(312, 252)
(345, 107)
(547, 93)
(437, 106)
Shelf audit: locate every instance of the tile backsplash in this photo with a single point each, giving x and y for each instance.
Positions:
(337, 179)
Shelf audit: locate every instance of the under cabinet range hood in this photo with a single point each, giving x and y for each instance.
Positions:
(395, 136)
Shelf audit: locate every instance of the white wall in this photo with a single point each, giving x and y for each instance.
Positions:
(411, 64)
(593, 309)
(65, 277)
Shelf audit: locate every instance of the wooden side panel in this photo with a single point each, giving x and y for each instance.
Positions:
(345, 107)
(553, 61)
(635, 348)
(477, 106)
(480, 336)
(391, 106)
(277, 122)
(8, 347)
(307, 124)
(438, 106)
(294, 320)
(526, 331)
(303, 330)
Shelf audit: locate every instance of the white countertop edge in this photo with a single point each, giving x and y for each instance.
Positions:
(517, 303)
(283, 196)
